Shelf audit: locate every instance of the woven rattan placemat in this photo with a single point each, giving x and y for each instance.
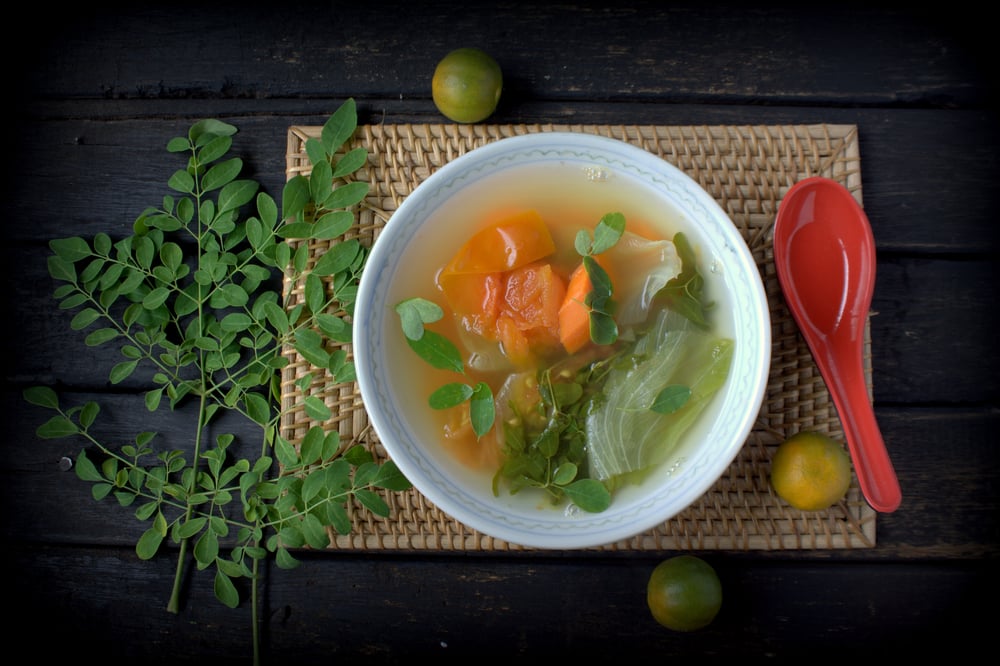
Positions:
(747, 169)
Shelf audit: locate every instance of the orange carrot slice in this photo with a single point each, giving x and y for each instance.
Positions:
(574, 315)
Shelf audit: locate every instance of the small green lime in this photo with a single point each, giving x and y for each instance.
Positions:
(684, 593)
(466, 85)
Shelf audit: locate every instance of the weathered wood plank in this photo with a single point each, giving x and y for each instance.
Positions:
(387, 610)
(645, 51)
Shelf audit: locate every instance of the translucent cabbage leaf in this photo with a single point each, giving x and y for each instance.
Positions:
(627, 438)
(639, 268)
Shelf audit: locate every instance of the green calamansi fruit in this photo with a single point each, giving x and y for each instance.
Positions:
(466, 85)
(684, 593)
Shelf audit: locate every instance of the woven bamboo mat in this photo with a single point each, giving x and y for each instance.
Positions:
(747, 169)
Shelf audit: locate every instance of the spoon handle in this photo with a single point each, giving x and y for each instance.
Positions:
(876, 475)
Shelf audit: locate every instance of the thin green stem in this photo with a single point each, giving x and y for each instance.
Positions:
(254, 610)
(173, 605)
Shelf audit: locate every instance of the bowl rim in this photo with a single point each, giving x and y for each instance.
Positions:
(550, 529)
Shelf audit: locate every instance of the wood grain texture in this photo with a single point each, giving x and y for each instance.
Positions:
(638, 51)
(390, 610)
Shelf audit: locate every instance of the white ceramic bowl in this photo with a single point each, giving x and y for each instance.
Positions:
(543, 170)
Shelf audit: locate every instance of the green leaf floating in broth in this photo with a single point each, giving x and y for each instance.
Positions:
(671, 398)
(450, 395)
(684, 293)
(626, 437)
(438, 350)
(414, 313)
(588, 494)
(482, 409)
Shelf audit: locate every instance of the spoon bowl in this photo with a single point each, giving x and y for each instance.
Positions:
(824, 255)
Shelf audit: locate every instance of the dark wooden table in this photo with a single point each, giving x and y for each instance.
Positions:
(95, 94)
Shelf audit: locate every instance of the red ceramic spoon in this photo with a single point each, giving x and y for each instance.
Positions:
(824, 254)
